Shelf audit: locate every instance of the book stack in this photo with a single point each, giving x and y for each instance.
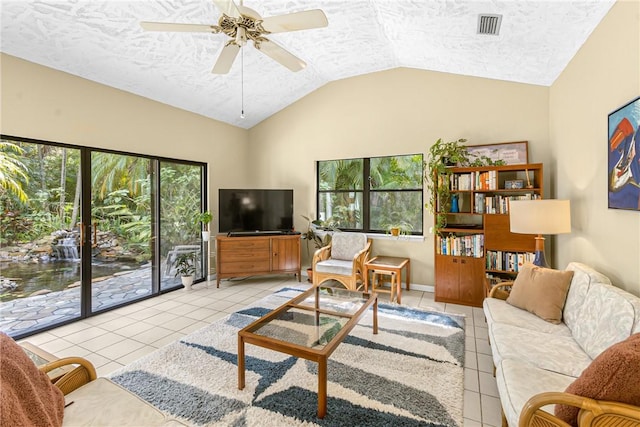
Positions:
(508, 261)
(471, 245)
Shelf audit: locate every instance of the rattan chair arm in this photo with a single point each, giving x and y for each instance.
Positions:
(322, 254)
(77, 377)
(498, 292)
(606, 413)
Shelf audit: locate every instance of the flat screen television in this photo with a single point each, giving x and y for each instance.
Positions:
(255, 211)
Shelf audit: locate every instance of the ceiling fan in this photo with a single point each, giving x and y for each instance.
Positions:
(241, 24)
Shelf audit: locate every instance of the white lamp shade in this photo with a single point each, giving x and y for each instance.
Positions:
(548, 216)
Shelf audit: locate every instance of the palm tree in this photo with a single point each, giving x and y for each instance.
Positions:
(12, 171)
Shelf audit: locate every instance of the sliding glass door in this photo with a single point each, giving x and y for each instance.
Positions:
(84, 230)
(180, 201)
(121, 229)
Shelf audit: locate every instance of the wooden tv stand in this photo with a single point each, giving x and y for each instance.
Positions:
(257, 255)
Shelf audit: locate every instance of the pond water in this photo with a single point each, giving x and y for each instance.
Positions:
(54, 275)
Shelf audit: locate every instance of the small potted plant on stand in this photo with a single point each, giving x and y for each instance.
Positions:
(205, 218)
(186, 268)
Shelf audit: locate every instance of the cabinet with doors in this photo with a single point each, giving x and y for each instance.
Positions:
(257, 255)
(475, 243)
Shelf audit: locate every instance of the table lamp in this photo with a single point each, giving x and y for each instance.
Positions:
(540, 217)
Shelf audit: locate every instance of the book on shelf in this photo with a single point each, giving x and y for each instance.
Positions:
(471, 245)
(508, 261)
(499, 204)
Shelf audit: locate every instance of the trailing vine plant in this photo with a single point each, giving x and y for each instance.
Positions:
(443, 156)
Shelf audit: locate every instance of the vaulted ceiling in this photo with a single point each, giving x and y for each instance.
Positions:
(101, 40)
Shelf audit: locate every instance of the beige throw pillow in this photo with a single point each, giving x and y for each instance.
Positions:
(541, 291)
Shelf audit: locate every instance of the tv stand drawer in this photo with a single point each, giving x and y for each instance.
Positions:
(245, 244)
(249, 266)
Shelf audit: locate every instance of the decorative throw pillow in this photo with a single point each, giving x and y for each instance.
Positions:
(28, 396)
(541, 291)
(612, 376)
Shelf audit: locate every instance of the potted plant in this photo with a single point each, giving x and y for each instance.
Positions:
(314, 238)
(441, 158)
(186, 268)
(205, 218)
(400, 228)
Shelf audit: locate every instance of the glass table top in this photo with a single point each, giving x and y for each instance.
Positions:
(313, 324)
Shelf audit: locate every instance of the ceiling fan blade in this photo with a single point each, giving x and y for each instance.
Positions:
(295, 21)
(226, 58)
(190, 28)
(228, 7)
(280, 55)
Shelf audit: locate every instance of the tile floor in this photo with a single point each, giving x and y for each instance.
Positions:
(111, 340)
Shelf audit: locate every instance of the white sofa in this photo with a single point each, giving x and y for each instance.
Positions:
(533, 356)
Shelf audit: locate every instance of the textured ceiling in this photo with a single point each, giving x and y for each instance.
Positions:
(102, 41)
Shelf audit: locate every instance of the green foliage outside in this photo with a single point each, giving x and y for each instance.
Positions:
(395, 192)
(39, 194)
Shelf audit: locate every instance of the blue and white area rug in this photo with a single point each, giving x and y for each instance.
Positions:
(410, 374)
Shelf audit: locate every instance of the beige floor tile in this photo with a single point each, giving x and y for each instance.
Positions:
(182, 309)
(73, 351)
(482, 333)
(134, 328)
(471, 423)
(485, 363)
(96, 359)
(471, 407)
(488, 384)
(115, 324)
(482, 346)
(491, 411)
(121, 348)
(471, 380)
(71, 328)
(201, 313)
(144, 313)
(151, 335)
(179, 323)
(56, 345)
(86, 335)
(40, 338)
(135, 355)
(175, 336)
(221, 305)
(194, 327)
(470, 360)
(102, 341)
(101, 318)
(105, 370)
(161, 319)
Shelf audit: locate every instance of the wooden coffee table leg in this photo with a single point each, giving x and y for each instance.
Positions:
(375, 316)
(240, 363)
(322, 387)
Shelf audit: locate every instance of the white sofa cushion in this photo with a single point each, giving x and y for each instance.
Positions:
(583, 277)
(607, 316)
(499, 311)
(104, 403)
(557, 353)
(517, 381)
(335, 266)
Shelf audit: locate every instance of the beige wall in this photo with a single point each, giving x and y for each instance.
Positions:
(400, 111)
(603, 75)
(42, 103)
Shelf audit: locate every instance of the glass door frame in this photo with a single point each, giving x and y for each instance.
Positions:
(86, 226)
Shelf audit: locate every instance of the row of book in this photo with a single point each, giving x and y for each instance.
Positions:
(508, 261)
(474, 181)
(499, 204)
(471, 245)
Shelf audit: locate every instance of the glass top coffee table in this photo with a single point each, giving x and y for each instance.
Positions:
(310, 326)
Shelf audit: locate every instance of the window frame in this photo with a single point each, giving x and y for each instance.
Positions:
(366, 193)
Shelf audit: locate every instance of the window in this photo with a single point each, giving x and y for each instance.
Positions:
(371, 194)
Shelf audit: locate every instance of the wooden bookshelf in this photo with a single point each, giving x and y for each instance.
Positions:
(483, 223)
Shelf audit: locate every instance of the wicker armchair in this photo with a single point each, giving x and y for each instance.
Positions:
(73, 379)
(342, 260)
(592, 412)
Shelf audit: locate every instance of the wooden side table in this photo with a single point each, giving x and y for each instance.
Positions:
(391, 266)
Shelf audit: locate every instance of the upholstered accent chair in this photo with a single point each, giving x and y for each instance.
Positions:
(342, 260)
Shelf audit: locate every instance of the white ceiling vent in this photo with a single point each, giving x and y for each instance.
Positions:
(489, 24)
